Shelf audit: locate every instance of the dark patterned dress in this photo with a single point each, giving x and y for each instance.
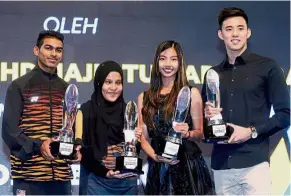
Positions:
(189, 177)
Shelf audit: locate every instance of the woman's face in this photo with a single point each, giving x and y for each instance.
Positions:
(168, 62)
(112, 87)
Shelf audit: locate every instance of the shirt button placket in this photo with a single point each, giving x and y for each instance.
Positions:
(233, 74)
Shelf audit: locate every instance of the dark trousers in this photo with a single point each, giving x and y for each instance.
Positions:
(22, 187)
(83, 185)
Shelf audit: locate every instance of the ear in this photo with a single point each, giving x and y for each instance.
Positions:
(219, 33)
(249, 33)
(35, 50)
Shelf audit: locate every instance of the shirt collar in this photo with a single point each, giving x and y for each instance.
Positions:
(243, 59)
(37, 68)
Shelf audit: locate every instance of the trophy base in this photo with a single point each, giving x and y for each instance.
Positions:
(126, 164)
(68, 152)
(210, 137)
(169, 156)
(168, 149)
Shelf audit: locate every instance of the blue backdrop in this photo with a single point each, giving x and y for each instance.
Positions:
(128, 32)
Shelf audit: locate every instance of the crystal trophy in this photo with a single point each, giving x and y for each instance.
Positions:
(65, 146)
(170, 147)
(129, 162)
(216, 130)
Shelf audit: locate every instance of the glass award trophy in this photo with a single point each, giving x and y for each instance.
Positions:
(172, 143)
(216, 130)
(129, 162)
(64, 147)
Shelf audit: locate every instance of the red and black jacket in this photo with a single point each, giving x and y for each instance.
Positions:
(33, 112)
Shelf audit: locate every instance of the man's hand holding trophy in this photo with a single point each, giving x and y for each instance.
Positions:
(67, 145)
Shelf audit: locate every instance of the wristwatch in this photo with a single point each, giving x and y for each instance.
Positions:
(254, 132)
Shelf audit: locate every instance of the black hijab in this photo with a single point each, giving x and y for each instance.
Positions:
(103, 120)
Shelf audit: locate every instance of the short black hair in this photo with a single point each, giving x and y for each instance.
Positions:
(48, 34)
(231, 12)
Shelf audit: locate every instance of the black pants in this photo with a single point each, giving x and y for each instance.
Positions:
(41, 188)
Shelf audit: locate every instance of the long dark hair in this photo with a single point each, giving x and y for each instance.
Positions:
(152, 98)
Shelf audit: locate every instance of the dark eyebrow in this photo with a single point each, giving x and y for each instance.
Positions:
(110, 80)
(229, 26)
(54, 47)
(170, 56)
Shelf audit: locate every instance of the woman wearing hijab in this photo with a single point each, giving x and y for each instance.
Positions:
(103, 123)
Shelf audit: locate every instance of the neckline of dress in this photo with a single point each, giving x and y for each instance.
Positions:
(166, 94)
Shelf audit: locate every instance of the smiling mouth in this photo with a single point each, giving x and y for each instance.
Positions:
(112, 94)
(168, 69)
(52, 60)
(235, 41)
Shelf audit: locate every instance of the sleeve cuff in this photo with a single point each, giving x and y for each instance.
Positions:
(36, 146)
(78, 141)
(103, 172)
(260, 129)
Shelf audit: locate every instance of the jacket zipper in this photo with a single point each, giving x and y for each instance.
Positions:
(51, 118)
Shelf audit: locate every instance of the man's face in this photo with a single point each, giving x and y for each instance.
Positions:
(49, 54)
(235, 33)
